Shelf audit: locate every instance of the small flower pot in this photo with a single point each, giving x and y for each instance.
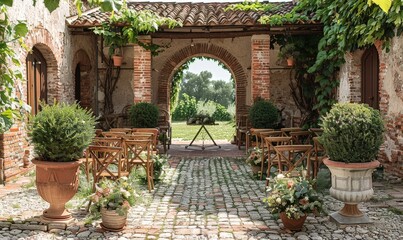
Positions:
(290, 62)
(117, 60)
(112, 221)
(292, 224)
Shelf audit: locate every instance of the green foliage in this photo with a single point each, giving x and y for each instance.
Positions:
(116, 195)
(352, 133)
(343, 31)
(144, 115)
(294, 196)
(263, 114)
(221, 113)
(126, 27)
(160, 161)
(255, 156)
(185, 109)
(61, 132)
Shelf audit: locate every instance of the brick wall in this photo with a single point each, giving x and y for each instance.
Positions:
(260, 66)
(142, 73)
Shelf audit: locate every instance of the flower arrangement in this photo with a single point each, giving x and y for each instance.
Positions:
(293, 196)
(255, 156)
(113, 195)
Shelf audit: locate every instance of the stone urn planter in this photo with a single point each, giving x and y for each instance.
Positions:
(351, 184)
(57, 183)
(112, 221)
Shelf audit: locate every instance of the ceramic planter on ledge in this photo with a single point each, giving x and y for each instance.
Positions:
(351, 184)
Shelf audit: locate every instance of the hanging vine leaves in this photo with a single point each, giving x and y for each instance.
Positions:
(348, 25)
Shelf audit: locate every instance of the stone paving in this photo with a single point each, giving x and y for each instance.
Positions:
(204, 198)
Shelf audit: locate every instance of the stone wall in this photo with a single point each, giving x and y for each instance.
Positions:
(390, 95)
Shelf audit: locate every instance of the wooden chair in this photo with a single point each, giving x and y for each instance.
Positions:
(242, 127)
(293, 156)
(272, 159)
(300, 137)
(253, 137)
(317, 155)
(113, 134)
(103, 158)
(98, 132)
(153, 131)
(316, 132)
(124, 130)
(138, 153)
(286, 131)
(262, 136)
(164, 125)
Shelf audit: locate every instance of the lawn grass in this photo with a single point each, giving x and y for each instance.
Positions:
(221, 131)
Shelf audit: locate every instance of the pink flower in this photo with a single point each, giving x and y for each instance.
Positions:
(290, 183)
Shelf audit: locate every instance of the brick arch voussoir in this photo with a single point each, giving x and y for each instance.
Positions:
(202, 49)
(42, 40)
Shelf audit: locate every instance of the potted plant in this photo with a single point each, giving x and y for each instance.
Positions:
(288, 51)
(115, 39)
(263, 114)
(293, 198)
(160, 160)
(255, 159)
(59, 134)
(144, 115)
(111, 202)
(352, 136)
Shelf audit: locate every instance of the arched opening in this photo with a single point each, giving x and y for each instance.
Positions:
(207, 50)
(370, 77)
(202, 85)
(36, 80)
(82, 81)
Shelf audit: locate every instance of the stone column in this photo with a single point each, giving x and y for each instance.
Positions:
(142, 72)
(260, 72)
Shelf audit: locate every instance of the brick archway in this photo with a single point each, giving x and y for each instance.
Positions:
(82, 67)
(42, 40)
(209, 50)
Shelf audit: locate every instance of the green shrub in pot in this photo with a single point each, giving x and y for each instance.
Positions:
(144, 115)
(352, 133)
(61, 132)
(263, 114)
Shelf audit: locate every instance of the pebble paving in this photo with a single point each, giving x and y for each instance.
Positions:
(203, 198)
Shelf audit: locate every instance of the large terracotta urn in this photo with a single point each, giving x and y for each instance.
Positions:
(351, 184)
(57, 183)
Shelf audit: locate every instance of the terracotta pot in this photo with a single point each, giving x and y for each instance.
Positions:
(290, 62)
(117, 60)
(351, 184)
(292, 224)
(57, 183)
(112, 221)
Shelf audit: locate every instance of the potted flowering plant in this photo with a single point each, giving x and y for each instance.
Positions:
(255, 159)
(292, 199)
(111, 202)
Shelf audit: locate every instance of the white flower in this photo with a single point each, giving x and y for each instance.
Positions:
(125, 193)
(278, 200)
(279, 176)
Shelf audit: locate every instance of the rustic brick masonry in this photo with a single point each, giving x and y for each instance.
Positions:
(142, 73)
(260, 66)
(205, 49)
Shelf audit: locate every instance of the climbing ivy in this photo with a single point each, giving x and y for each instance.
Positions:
(347, 26)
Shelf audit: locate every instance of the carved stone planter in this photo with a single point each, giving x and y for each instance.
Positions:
(352, 184)
(57, 183)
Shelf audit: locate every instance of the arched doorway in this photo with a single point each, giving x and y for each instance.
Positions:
(370, 77)
(82, 81)
(36, 80)
(208, 50)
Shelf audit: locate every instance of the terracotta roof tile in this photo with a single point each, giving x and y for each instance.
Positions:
(190, 14)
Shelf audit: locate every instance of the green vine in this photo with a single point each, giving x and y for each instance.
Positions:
(348, 25)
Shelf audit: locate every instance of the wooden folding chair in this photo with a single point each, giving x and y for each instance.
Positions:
(286, 131)
(242, 127)
(103, 158)
(317, 155)
(300, 137)
(138, 153)
(272, 159)
(293, 156)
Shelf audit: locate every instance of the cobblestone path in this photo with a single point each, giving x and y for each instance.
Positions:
(214, 198)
